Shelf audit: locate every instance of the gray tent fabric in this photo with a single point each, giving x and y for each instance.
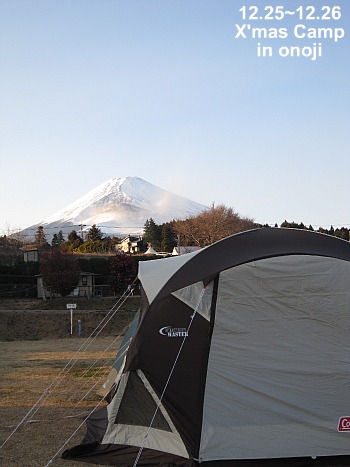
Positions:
(241, 357)
(272, 370)
(118, 365)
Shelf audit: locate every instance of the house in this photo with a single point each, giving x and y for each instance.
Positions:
(131, 244)
(86, 287)
(30, 253)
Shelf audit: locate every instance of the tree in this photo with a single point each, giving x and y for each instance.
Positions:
(168, 241)
(57, 239)
(60, 271)
(73, 242)
(294, 225)
(54, 241)
(40, 239)
(343, 233)
(60, 237)
(94, 234)
(10, 252)
(123, 272)
(97, 246)
(210, 226)
(152, 234)
(73, 237)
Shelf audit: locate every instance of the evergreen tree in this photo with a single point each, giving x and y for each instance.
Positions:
(152, 234)
(94, 234)
(57, 239)
(294, 225)
(60, 237)
(107, 244)
(54, 241)
(343, 233)
(40, 239)
(73, 237)
(168, 241)
(73, 242)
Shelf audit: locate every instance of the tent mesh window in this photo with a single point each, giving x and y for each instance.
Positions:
(138, 406)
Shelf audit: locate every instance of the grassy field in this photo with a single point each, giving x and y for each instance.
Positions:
(34, 319)
(97, 304)
(27, 369)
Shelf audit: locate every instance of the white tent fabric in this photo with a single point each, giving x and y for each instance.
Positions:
(151, 251)
(190, 294)
(152, 438)
(155, 274)
(184, 250)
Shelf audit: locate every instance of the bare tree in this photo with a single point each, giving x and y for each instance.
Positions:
(211, 225)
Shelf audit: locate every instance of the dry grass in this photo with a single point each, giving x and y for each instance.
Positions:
(98, 304)
(27, 369)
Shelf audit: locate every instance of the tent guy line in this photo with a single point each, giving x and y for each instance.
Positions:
(75, 431)
(105, 372)
(121, 353)
(93, 365)
(88, 342)
(170, 375)
(69, 365)
(263, 361)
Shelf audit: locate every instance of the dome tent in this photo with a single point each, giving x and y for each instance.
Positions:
(241, 358)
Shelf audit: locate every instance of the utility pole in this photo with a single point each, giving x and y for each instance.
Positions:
(81, 231)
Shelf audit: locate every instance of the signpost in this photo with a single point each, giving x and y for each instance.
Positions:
(71, 307)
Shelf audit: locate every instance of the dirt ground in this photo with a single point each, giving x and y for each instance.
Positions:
(34, 319)
(27, 369)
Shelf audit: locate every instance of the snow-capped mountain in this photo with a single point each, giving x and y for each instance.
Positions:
(120, 206)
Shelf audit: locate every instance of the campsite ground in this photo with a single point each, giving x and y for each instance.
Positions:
(32, 319)
(27, 369)
(30, 363)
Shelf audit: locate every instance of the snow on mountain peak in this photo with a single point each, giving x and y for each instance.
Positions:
(121, 206)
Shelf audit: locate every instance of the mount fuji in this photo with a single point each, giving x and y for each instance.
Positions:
(120, 206)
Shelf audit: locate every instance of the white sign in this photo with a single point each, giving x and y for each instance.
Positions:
(71, 306)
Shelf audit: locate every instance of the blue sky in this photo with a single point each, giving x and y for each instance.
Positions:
(162, 90)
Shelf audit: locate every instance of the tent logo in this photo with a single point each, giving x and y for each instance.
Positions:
(344, 424)
(168, 331)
